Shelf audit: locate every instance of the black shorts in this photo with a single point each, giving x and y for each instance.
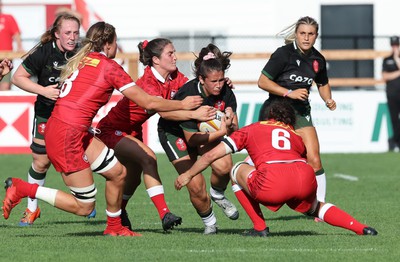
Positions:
(39, 126)
(174, 146)
(301, 120)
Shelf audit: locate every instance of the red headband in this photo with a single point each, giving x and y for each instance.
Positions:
(145, 42)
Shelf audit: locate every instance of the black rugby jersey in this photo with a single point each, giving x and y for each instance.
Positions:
(192, 88)
(290, 68)
(44, 63)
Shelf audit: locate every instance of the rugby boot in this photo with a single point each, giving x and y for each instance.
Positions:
(170, 220)
(16, 189)
(256, 233)
(229, 209)
(29, 217)
(369, 231)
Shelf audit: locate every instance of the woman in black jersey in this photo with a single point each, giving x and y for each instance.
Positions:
(44, 61)
(290, 73)
(183, 142)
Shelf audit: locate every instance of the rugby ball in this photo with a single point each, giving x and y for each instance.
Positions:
(211, 125)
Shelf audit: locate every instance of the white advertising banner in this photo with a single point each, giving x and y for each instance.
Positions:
(359, 124)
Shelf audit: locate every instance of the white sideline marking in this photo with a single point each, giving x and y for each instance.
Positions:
(306, 250)
(346, 177)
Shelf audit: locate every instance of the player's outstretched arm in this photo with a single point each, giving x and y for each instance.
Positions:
(200, 165)
(153, 103)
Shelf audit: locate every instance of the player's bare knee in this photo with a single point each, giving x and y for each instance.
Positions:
(85, 209)
(148, 161)
(222, 169)
(198, 193)
(120, 172)
(39, 169)
(40, 165)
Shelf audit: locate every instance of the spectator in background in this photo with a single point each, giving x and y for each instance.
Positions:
(391, 75)
(9, 32)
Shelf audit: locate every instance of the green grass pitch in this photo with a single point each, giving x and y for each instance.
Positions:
(365, 185)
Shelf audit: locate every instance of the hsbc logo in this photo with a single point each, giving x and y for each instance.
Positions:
(16, 121)
(15, 124)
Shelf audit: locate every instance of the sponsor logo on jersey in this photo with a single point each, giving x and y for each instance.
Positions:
(298, 62)
(91, 61)
(118, 133)
(390, 62)
(220, 105)
(308, 118)
(301, 79)
(180, 144)
(54, 79)
(85, 158)
(315, 65)
(173, 92)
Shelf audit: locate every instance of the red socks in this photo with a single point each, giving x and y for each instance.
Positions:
(24, 188)
(160, 204)
(251, 207)
(339, 218)
(114, 222)
(158, 201)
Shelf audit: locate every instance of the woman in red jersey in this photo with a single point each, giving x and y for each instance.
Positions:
(281, 174)
(89, 78)
(121, 128)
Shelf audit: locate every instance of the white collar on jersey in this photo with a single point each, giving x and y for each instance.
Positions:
(295, 45)
(158, 75)
(200, 88)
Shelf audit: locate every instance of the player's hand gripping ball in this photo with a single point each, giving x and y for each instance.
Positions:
(211, 125)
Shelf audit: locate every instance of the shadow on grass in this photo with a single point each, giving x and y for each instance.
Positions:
(294, 233)
(232, 232)
(287, 218)
(240, 232)
(141, 231)
(88, 222)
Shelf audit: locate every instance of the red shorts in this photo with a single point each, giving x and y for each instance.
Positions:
(277, 184)
(66, 145)
(111, 136)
